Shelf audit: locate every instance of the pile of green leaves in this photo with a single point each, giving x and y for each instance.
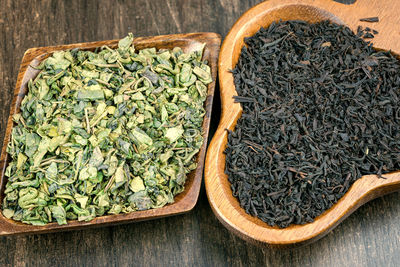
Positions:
(107, 132)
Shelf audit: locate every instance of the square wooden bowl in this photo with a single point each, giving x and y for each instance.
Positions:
(184, 201)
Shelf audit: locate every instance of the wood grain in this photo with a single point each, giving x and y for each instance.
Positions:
(225, 206)
(369, 237)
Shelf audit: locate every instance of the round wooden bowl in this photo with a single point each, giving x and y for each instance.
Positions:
(225, 206)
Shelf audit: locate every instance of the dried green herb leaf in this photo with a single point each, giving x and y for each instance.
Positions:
(137, 184)
(90, 95)
(141, 137)
(8, 213)
(58, 212)
(173, 134)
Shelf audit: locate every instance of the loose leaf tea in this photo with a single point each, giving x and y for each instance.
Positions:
(107, 132)
(366, 33)
(321, 108)
(372, 19)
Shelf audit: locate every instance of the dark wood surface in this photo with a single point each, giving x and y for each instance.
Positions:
(369, 237)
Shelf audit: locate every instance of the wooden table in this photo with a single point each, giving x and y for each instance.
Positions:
(369, 237)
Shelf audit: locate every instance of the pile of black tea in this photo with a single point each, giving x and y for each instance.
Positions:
(321, 108)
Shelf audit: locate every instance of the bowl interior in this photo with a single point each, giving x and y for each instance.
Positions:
(289, 12)
(307, 13)
(186, 44)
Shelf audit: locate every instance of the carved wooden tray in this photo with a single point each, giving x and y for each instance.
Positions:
(186, 200)
(224, 205)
